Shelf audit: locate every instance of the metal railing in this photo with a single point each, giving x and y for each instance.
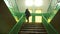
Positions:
(50, 29)
(17, 26)
(51, 12)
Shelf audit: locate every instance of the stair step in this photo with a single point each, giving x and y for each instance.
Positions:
(32, 29)
(33, 26)
(35, 30)
(31, 32)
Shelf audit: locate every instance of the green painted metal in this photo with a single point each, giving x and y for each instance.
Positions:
(33, 16)
(50, 14)
(54, 13)
(50, 29)
(17, 26)
(33, 20)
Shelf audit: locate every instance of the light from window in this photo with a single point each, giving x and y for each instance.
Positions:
(38, 2)
(38, 11)
(29, 2)
(38, 19)
(34, 2)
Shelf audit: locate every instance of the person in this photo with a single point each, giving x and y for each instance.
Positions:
(27, 14)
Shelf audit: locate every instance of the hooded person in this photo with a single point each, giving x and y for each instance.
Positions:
(27, 14)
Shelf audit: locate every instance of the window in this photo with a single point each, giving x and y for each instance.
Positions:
(38, 19)
(30, 10)
(38, 11)
(29, 2)
(38, 3)
(34, 2)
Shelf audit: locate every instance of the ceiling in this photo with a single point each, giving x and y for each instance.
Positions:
(21, 5)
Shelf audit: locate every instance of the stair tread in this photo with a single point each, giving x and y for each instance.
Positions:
(32, 29)
(35, 28)
(32, 32)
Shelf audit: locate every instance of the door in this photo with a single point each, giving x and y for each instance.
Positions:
(38, 19)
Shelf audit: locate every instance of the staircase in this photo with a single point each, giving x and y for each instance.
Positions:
(32, 28)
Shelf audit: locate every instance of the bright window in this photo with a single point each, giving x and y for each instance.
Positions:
(33, 2)
(30, 19)
(58, 4)
(38, 11)
(30, 10)
(38, 19)
(29, 2)
(38, 3)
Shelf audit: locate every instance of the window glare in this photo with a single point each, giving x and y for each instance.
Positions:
(34, 2)
(38, 2)
(29, 2)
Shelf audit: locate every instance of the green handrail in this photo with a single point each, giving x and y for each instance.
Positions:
(51, 7)
(17, 26)
(54, 13)
(50, 29)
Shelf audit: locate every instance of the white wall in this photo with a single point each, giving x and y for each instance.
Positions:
(22, 7)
